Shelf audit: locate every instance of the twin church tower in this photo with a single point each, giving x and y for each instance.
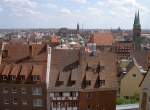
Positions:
(137, 31)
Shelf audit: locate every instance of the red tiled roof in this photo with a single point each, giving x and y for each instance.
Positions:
(101, 39)
(26, 70)
(2, 68)
(7, 70)
(15, 70)
(22, 53)
(39, 70)
(55, 40)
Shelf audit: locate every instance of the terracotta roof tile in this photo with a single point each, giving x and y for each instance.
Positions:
(39, 70)
(22, 53)
(74, 76)
(15, 70)
(101, 39)
(2, 68)
(55, 40)
(7, 70)
(26, 70)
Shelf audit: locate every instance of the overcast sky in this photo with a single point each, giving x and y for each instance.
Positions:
(67, 13)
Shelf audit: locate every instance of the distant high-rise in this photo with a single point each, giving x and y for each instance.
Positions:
(137, 30)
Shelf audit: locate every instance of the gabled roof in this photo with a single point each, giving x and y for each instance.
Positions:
(145, 76)
(25, 53)
(76, 74)
(102, 39)
(55, 40)
(64, 66)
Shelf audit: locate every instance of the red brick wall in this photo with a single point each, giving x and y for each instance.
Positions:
(98, 100)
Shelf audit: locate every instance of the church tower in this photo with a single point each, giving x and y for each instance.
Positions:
(137, 30)
(78, 27)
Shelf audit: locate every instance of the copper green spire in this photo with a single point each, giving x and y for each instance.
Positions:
(137, 19)
(137, 31)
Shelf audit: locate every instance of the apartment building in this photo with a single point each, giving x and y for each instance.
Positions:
(79, 81)
(22, 77)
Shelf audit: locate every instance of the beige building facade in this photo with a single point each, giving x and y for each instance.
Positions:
(129, 85)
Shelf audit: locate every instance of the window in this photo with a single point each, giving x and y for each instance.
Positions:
(89, 95)
(5, 90)
(22, 78)
(24, 102)
(102, 82)
(36, 91)
(6, 101)
(15, 101)
(88, 83)
(23, 90)
(89, 107)
(134, 75)
(60, 94)
(13, 77)
(149, 99)
(36, 78)
(55, 104)
(126, 97)
(72, 94)
(56, 94)
(37, 103)
(14, 90)
(4, 77)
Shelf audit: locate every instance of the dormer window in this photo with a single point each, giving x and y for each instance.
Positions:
(85, 82)
(13, 77)
(21, 77)
(102, 82)
(36, 78)
(88, 83)
(5, 77)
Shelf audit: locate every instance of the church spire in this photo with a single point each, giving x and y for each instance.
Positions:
(135, 18)
(78, 27)
(138, 18)
(137, 30)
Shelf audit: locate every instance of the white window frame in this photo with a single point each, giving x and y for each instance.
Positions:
(24, 102)
(23, 90)
(37, 91)
(6, 101)
(37, 102)
(14, 90)
(5, 90)
(15, 103)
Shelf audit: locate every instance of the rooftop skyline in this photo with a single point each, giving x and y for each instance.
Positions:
(67, 13)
